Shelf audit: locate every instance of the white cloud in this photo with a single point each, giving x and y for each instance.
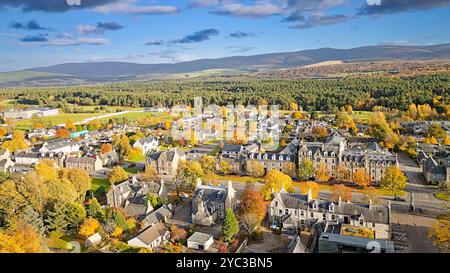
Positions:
(130, 7)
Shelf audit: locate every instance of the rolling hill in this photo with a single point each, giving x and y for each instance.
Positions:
(76, 73)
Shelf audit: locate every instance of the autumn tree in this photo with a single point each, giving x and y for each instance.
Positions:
(274, 182)
(46, 169)
(306, 169)
(211, 178)
(178, 233)
(230, 225)
(251, 201)
(117, 175)
(224, 167)
(208, 163)
(106, 148)
(188, 173)
(322, 173)
(95, 210)
(149, 174)
(319, 131)
(313, 186)
(435, 130)
(89, 227)
(62, 133)
(70, 125)
(342, 172)
(21, 238)
(394, 179)
(345, 121)
(255, 169)
(379, 128)
(339, 190)
(361, 177)
(80, 179)
(439, 232)
(16, 143)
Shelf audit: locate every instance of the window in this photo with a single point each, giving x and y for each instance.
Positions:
(276, 203)
(361, 222)
(373, 225)
(312, 214)
(324, 217)
(286, 211)
(280, 211)
(302, 213)
(333, 217)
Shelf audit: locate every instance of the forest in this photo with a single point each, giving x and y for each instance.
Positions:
(363, 93)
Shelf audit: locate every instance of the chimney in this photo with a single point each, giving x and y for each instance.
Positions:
(370, 203)
(199, 183)
(309, 196)
(339, 200)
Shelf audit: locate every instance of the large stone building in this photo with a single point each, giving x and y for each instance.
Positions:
(89, 164)
(63, 145)
(210, 202)
(333, 152)
(290, 212)
(165, 162)
(434, 172)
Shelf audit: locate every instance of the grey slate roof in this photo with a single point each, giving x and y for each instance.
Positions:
(200, 237)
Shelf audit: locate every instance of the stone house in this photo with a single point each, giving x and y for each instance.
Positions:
(293, 211)
(89, 164)
(210, 202)
(151, 237)
(165, 162)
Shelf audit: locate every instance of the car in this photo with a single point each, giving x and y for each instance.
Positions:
(400, 199)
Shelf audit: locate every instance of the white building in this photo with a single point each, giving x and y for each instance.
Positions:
(147, 144)
(151, 237)
(64, 145)
(29, 113)
(200, 241)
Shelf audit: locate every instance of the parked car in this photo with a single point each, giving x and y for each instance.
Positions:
(400, 199)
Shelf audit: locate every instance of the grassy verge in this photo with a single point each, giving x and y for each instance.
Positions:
(443, 196)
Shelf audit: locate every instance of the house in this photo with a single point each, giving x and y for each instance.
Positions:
(165, 162)
(78, 134)
(230, 150)
(293, 211)
(89, 164)
(93, 240)
(131, 195)
(27, 158)
(200, 241)
(274, 161)
(109, 159)
(147, 144)
(434, 172)
(296, 246)
(63, 145)
(151, 237)
(41, 133)
(158, 216)
(210, 202)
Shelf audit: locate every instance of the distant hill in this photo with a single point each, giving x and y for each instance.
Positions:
(76, 73)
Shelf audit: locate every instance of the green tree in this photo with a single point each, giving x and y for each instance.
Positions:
(230, 225)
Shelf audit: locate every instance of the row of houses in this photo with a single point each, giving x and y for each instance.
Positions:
(334, 151)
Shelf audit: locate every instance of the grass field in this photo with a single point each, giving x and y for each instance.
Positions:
(97, 183)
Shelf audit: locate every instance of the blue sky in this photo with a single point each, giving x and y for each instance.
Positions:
(47, 32)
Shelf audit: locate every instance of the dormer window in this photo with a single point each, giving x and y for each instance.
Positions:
(331, 207)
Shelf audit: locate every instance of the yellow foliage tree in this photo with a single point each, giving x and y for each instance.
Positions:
(361, 177)
(46, 169)
(313, 186)
(274, 181)
(439, 232)
(89, 227)
(322, 172)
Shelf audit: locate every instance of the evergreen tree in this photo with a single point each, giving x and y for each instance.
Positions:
(230, 225)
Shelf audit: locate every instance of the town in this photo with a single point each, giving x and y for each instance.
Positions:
(291, 181)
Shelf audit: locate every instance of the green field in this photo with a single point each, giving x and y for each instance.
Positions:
(97, 183)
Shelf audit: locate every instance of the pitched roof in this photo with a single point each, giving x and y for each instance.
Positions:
(152, 233)
(200, 237)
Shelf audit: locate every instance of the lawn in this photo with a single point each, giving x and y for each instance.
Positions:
(236, 178)
(362, 116)
(136, 158)
(131, 170)
(97, 183)
(58, 119)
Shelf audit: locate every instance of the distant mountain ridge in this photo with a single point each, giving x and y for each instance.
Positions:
(113, 71)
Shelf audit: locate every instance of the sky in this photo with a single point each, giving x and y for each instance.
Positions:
(35, 33)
